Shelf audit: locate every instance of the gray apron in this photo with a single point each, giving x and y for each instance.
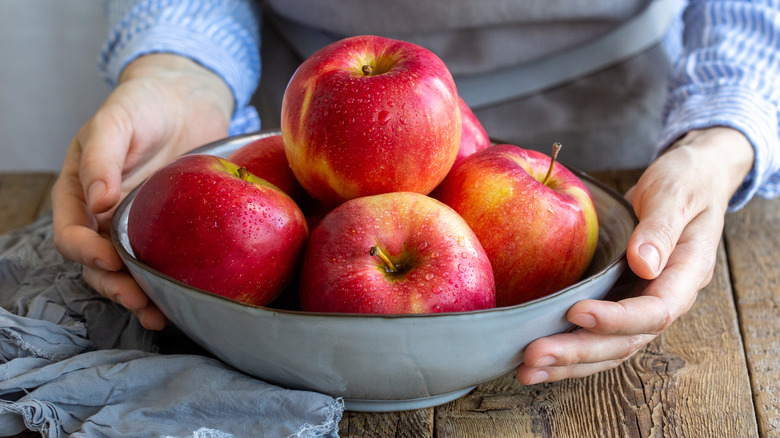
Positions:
(605, 111)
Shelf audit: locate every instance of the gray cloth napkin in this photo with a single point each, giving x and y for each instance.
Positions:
(76, 364)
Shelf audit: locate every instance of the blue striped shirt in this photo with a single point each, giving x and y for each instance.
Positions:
(727, 72)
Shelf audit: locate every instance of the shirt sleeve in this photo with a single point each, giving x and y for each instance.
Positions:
(729, 75)
(221, 35)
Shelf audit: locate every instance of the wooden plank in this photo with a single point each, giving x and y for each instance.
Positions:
(754, 252)
(690, 381)
(23, 196)
(412, 424)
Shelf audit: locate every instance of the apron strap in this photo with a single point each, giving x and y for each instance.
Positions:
(481, 90)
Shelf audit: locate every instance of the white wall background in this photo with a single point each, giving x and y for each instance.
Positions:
(49, 82)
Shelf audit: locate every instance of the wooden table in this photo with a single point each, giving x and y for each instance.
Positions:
(714, 373)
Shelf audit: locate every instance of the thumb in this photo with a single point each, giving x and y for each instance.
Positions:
(104, 142)
(663, 216)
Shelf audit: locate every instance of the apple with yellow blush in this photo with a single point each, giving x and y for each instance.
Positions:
(535, 219)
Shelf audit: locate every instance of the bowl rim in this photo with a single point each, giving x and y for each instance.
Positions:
(127, 257)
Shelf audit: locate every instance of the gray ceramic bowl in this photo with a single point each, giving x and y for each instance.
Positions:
(378, 363)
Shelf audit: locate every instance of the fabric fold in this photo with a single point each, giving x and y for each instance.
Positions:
(75, 364)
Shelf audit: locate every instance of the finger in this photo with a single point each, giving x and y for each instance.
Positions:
(75, 229)
(662, 218)
(121, 288)
(582, 347)
(151, 317)
(532, 376)
(667, 297)
(117, 286)
(104, 143)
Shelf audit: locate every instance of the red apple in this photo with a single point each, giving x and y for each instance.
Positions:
(395, 253)
(368, 115)
(214, 226)
(266, 159)
(539, 230)
(474, 138)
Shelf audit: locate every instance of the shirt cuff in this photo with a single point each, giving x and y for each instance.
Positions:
(738, 108)
(231, 50)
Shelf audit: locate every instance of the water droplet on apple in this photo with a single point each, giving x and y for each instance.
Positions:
(464, 254)
(429, 276)
(437, 308)
(383, 117)
(461, 267)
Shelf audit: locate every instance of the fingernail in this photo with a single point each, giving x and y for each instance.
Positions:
(650, 255)
(102, 265)
(96, 191)
(539, 377)
(118, 299)
(545, 361)
(584, 320)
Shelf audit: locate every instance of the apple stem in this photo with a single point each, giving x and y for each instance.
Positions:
(243, 173)
(556, 149)
(389, 266)
(367, 70)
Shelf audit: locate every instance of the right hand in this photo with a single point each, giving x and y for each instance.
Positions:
(164, 105)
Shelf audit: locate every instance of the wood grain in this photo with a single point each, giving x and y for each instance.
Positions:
(23, 196)
(408, 424)
(754, 254)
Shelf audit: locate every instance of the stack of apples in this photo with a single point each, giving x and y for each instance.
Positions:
(382, 194)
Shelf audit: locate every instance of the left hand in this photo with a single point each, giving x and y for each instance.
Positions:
(680, 201)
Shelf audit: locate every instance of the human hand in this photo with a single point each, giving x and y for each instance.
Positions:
(163, 106)
(680, 201)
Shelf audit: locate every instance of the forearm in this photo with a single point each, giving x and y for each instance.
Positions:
(727, 77)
